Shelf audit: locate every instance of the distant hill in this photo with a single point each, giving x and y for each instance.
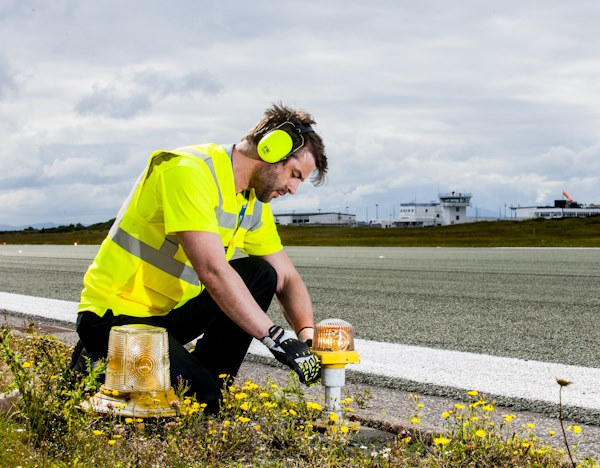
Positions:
(7, 227)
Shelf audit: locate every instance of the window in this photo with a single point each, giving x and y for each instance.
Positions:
(457, 217)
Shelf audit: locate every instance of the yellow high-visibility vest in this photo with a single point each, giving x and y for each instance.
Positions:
(140, 269)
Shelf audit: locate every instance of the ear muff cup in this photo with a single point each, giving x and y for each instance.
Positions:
(275, 146)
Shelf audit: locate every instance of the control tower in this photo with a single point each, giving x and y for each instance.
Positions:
(454, 207)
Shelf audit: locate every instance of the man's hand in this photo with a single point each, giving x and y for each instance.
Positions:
(293, 353)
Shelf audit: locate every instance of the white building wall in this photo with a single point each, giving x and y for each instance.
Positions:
(299, 219)
(547, 212)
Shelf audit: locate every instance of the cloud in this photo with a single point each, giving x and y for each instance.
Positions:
(128, 96)
(163, 85)
(109, 103)
(411, 98)
(7, 81)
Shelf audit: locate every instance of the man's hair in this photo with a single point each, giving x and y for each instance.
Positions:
(278, 114)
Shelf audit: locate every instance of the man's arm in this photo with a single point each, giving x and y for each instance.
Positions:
(292, 295)
(226, 287)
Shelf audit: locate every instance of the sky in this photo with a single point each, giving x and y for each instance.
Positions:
(497, 99)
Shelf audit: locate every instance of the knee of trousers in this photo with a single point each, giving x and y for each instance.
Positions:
(266, 271)
(262, 273)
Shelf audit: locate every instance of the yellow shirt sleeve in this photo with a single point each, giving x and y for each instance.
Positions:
(189, 197)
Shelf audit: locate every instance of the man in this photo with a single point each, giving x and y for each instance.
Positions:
(167, 260)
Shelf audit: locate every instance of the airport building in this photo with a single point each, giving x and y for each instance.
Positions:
(452, 209)
(323, 219)
(564, 208)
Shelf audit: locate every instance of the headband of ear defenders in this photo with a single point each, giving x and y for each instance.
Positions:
(277, 145)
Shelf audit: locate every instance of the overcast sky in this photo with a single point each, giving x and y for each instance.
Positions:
(499, 99)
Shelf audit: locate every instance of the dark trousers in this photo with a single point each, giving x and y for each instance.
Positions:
(222, 344)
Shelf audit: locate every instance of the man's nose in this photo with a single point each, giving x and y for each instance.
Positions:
(292, 186)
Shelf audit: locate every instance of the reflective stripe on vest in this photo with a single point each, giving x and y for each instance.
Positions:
(161, 258)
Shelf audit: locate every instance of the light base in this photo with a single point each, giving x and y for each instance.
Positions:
(336, 358)
(133, 404)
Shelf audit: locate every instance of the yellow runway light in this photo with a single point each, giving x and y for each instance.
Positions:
(333, 344)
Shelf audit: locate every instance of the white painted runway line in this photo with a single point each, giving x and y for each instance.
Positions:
(54, 309)
(507, 377)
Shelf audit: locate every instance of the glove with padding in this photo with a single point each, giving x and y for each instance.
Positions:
(293, 353)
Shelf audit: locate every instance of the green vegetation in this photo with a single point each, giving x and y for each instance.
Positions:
(258, 425)
(61, 235)
(569, 232)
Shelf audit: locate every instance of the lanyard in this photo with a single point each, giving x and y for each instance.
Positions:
(241, 216)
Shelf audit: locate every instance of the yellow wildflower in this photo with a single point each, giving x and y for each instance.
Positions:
(111, 442)
(480, 433)
(243, 419)
(446, 415)
(333, 417)
(441, 440)
(263, 395)
(257, 427)
(552, 432)
(128, 420)
(489, 408)
(415, 420)
(531, 425)
(240, 396)
(97, 432)
(226, 423)
(245, 406)
(344, 429)
(26, 364)
(115, 393)
(315, 406)
(223, 376)
(459, 406)
(472, 393)
(576, 429)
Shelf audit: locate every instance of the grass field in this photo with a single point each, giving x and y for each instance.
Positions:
(583, 232)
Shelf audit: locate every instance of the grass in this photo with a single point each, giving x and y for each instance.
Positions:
(259, 425)
(568, 232)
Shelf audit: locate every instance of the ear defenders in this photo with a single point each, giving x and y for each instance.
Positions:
(277, 145)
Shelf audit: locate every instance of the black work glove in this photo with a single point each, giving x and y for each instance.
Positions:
(293, 353)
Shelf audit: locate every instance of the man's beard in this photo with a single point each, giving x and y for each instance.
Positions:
(264, 183)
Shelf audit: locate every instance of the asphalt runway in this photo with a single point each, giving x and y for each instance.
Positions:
(434, 320)
(535, 304)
